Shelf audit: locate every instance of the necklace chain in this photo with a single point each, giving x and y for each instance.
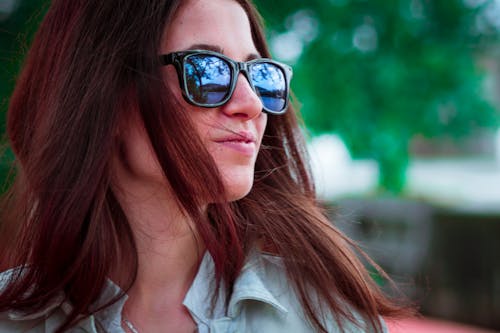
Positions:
(129, 325)
(132, 328)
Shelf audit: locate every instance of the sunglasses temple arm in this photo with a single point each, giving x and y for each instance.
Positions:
(167, 59)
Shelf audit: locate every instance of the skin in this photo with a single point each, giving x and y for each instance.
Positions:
(169, 252)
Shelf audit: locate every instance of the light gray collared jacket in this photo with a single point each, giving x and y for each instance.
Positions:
(263, 301)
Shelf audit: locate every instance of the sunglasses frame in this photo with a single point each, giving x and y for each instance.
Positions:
(178, 59)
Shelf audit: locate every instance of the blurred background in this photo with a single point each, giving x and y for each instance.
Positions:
(400, 105)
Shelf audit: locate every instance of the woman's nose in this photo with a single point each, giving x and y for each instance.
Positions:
(244, 102)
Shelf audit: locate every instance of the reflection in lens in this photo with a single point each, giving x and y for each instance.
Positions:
(270, 84)
(207, 78)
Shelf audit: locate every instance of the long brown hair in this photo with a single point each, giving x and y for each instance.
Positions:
(89, 62)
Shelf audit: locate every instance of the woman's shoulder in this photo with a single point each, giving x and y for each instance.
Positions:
(10, 325)
(44, 320)
(14, 321)
(39, 325)
(279, 307)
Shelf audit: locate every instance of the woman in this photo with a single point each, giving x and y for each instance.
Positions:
(162, 185)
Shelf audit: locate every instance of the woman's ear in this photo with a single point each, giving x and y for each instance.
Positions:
(128, 114)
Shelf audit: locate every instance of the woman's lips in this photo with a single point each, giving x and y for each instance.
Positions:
(243, 142)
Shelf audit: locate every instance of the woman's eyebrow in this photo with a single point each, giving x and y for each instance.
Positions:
(253, 56)
(208, 47)
(218, 49)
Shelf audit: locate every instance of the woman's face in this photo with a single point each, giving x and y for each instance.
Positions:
(232, 133)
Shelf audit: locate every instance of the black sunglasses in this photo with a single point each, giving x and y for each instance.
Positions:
(208, 78)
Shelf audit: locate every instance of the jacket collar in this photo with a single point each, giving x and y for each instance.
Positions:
(248, 286)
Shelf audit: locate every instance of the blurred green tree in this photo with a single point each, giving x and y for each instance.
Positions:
(19, 20)
(379, 72)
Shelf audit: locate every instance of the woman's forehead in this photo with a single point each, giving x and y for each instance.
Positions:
(222, 23)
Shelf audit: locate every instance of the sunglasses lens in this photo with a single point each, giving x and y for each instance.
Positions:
(208, 78)
(270, 84)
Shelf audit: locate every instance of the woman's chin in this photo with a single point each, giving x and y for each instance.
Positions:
(237, 187)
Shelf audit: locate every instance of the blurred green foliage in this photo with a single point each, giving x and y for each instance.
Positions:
(18, 23)
(377, 72)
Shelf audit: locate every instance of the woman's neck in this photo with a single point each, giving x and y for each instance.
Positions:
(167, 268)
(169, 253)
